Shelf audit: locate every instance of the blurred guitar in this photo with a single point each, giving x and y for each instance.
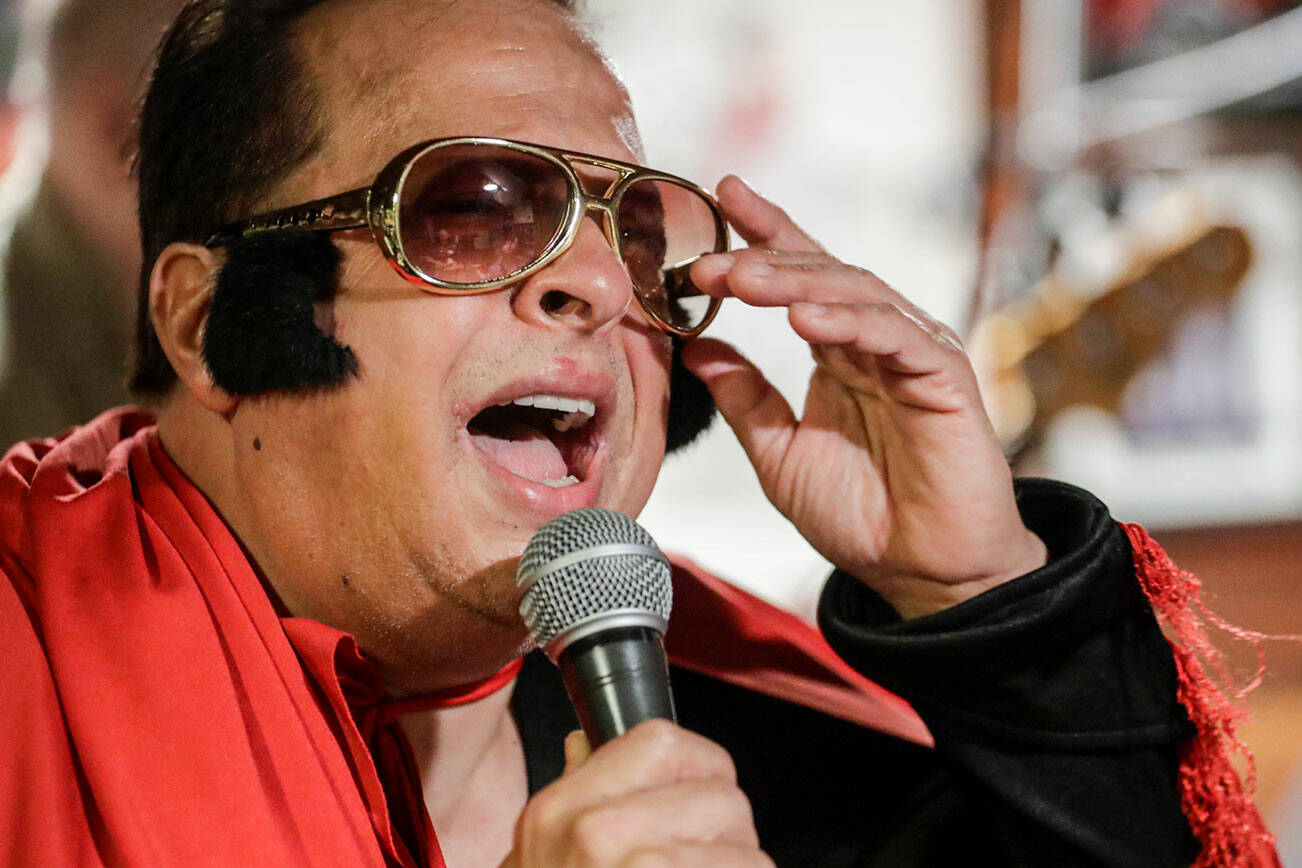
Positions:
(1058, 350)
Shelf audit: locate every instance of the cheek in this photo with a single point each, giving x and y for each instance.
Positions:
(653, 366)
(407, 348)
(649, 370)
(407, 340)
(651, 362)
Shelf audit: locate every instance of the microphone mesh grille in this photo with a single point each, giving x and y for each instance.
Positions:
(562, 598)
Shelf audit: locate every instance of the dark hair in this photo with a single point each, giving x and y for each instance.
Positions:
(230, 113)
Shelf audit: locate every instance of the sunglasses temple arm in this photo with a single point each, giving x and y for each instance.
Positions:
(344, 211)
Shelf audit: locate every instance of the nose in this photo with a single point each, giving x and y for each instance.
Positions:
(585, 289)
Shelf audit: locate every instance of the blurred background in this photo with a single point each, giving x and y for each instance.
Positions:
(1104, 197)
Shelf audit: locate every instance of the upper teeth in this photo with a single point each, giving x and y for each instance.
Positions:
(577, 410)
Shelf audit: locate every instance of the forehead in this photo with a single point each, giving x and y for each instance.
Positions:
(391, 73)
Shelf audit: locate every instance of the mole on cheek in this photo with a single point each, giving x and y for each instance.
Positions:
(257, 443)
(347, 582)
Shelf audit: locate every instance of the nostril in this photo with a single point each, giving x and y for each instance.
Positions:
(552, 301)
(555, 302)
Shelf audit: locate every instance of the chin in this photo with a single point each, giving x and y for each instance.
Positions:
(464, 637)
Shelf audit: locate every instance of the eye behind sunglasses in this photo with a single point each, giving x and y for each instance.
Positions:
(468, 215)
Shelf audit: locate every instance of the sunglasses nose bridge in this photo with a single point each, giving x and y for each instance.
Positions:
(599, 203)
(605, 206)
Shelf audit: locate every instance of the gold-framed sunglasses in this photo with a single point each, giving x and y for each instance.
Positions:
(472, 214)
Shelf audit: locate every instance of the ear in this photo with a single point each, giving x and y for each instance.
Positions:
(180, 295)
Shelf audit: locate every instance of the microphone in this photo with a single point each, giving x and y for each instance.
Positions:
(596, 596)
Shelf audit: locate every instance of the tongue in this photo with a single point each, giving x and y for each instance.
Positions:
(523, 450)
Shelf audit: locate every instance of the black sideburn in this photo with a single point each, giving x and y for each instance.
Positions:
(262, 334)
(691, 407)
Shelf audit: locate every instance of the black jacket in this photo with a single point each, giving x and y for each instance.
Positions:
(1051, 700)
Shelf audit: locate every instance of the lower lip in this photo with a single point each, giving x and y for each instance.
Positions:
(542, 500)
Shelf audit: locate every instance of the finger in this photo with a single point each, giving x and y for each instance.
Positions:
(906, 342)
(770, 279)
(653, 754)
(758, 220)
(577, 750)
(756, 411)
(711, 270)
(692, 813)
(713, 266)
(698, 856)
(865, 345)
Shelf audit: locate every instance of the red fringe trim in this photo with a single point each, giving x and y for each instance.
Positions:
(1217, 802)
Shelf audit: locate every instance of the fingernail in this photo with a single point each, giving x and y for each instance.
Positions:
(577, 749)
(721, 261)
(809, 308)
(749, 186)
(759, 268)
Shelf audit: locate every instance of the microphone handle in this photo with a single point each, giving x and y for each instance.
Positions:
(616, 679)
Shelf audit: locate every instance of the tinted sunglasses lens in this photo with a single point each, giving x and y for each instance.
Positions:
(475, 213)
(663, 228)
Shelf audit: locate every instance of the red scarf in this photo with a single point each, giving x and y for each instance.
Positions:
(168, 715)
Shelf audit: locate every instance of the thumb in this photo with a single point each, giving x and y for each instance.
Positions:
(756, 411)
(577, 750)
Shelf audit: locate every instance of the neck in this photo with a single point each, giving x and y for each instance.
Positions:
(472, 767)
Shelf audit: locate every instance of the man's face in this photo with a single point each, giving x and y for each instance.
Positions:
(394, 506)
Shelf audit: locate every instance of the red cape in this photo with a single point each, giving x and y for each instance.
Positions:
(160, 711)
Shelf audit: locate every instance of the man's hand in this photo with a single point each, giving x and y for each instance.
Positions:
(893, 473)
(657, 796)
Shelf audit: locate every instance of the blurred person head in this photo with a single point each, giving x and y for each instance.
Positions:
(8, 58)
(97, 58)
(71, 243)
(357, 432)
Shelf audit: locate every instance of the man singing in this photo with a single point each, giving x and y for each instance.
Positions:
(409, 292)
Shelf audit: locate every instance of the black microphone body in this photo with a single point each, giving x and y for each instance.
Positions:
(596, 594)
(617, 678)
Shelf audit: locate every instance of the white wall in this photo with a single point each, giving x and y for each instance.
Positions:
(863, 120)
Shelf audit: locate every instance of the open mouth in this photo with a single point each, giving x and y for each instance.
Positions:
(544, 438)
